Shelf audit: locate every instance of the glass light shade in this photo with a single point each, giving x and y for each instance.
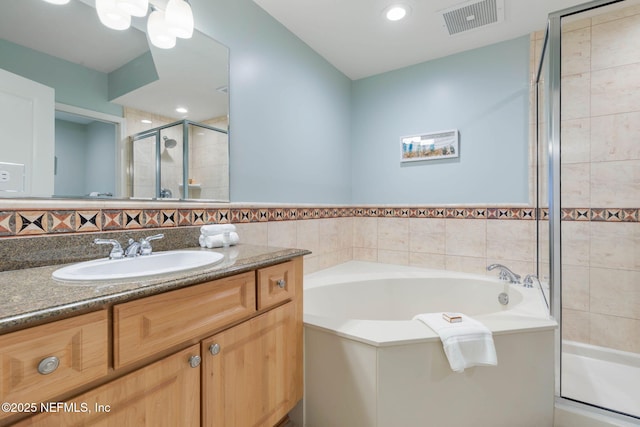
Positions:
(57, 1)
(158, 32)
(111, 16)
(133, 7)
(179, 18)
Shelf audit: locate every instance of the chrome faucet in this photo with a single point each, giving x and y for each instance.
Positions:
(505, 273)
(133, 250)
(116, 250)
(141, 247)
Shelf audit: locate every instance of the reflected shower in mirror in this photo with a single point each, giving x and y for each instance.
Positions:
(107, 79)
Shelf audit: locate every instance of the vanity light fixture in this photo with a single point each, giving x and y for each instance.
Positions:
(163, 26)
(179, 18)
(112, 16)
(158, 32)
(57, 1)
(133, 7)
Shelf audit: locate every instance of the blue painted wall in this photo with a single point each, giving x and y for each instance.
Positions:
(484, 93)
(74, 84)
(290, 109)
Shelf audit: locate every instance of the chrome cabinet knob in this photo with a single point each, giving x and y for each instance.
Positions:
(48, 365)
(281, 283)
(194, 361)
(214, 349)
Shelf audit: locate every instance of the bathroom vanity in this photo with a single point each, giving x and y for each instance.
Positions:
(216, 346)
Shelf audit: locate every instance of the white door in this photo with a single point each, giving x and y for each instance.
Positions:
(27, 136)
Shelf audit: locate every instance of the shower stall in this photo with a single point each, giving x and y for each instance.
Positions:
(587, 129)
(180, 160)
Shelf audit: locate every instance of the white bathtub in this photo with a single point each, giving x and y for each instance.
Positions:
(368, 364)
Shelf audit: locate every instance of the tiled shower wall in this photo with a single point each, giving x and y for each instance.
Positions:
(601, 176)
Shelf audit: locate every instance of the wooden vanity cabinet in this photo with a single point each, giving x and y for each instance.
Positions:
(247, 377)
(225, 353)
(165, 393)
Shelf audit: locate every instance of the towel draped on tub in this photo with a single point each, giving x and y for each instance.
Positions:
(467, 343)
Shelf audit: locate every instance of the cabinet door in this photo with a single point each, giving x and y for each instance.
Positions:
(252, 379)
(165, 393)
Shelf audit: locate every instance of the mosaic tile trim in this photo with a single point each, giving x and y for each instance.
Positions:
(58, 221)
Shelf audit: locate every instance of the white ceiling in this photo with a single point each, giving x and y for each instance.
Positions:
(354, 36)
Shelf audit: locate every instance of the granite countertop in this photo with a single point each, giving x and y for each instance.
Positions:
(31, 296)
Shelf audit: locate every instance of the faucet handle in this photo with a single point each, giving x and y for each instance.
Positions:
(145, 243)
(528, 280)
(116, 251)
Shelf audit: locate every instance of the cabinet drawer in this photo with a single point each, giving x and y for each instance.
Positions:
(276, 284)
(147, 326)
(78, 345)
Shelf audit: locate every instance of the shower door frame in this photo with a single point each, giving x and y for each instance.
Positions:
(553, 43)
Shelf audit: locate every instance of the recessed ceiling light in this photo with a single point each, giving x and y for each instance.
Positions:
(182, 110)
(146, 121)
(396, 13)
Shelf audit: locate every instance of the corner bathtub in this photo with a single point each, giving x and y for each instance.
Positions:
(368, 364)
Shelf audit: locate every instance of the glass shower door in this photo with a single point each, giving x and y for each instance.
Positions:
(143, 166)
(600, 200)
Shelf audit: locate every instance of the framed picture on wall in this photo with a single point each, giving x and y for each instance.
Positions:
(430, 146)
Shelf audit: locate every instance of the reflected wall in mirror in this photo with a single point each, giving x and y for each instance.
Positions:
(106, 79)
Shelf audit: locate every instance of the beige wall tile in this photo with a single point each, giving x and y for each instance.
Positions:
(614, 12)
(576, 51)
(576, 325)
(393, 234)
(310, 264)
(611, 43)
(427, 235)
(576, 96)
(613, 90)
(615, 137)
(575, 287)
(282, 234)
(329, 235)
(393, 257)
(615, 332)
(254, 233)
(575, 179)
(575, 243)
(365, 232)
(615, 245)
(615, 292)
(345, 233)
(365, 254)
(308, 235)
(576, 140)
(615, 184)
(575, 23)
(511, 240)
(466, 237)
(427, 260)
(466, 264)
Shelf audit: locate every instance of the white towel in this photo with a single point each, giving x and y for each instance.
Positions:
(467, 343)
(217, 241)
(215, 229)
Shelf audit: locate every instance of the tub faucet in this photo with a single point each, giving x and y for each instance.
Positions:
(505, 273)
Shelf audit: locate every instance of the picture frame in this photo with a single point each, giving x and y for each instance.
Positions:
(430, 146)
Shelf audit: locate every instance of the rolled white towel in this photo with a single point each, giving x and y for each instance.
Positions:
(217, 241)
(214, 229)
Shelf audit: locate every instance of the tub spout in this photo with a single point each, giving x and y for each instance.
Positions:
(505, 273)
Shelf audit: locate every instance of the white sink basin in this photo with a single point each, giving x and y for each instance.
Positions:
(141, 266)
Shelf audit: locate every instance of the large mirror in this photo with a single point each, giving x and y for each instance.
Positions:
(80, 105)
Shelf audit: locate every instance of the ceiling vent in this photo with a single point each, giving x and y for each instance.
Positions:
(473, 14)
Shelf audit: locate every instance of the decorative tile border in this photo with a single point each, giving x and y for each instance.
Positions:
(58, 221)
